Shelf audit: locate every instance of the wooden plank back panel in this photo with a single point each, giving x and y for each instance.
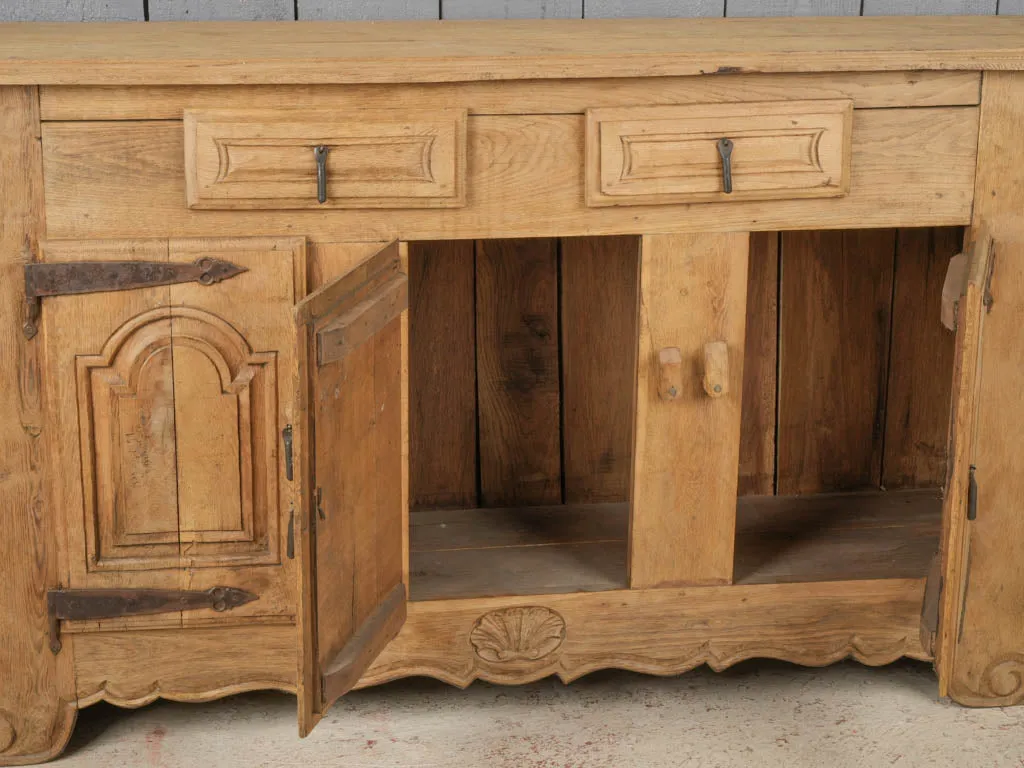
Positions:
(835, 304)
(757, 427)
(686, 450)
(918, 399)
(599, 321)
(442, 374)
(518, 372)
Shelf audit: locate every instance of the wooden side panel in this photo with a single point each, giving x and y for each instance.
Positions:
(685, 465)
(518, 372)
(917, 402)
(757, 430)
(37, 695)
(442, 374)
(836, 292)
(599, 326)
(988, 657)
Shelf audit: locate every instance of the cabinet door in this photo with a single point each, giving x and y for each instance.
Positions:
(351, 540)
(168, 404)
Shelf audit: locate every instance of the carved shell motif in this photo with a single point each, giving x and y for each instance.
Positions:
(517, 634)
(7, 733)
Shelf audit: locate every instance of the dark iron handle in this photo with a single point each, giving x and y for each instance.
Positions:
(320, 154)
(725, 150)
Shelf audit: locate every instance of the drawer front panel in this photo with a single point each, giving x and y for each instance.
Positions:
(651, 155)
(267, 160)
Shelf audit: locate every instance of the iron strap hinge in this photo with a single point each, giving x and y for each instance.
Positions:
(93, 604)
(78, 277)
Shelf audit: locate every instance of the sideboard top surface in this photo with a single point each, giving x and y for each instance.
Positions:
(192, 53)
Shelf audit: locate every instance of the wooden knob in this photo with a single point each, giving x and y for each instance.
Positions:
(670, 373)
(716, 368)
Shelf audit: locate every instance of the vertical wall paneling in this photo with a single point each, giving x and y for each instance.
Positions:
(928, 7)
(368, 9)
(604, 9)
(517, 372)
(599, 316)
(834, 310)
(71, 10)
(757, 427)
(917, 406)
(221, 10)
(511, 9)
(1011, 7)
(442, 374)
(793, 8)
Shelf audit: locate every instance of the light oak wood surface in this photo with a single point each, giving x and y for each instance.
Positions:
(693, 291)
(127, 179)
(866, 89)
(382, 52)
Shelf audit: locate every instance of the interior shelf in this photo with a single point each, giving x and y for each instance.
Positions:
(582, 548)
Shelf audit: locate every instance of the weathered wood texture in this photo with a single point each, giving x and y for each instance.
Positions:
(37, 690)
(921, 355)
(221, 10)
(127, 179)
(928, 7)
(498, 50)
(598, 9)
(835, 306)
(757, 430)
(686, 450)
(511, 9)
(73, 10)
(518, 372)
(359, 10)
(989, 657)
(793, 8)
(663, 632)
(442, 374)
(599, 325)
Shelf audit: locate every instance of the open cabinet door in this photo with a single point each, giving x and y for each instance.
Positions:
(350, 541)
(970, 284)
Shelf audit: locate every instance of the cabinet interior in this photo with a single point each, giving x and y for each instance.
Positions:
(522, 377)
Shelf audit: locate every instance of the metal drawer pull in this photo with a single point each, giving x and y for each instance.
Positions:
(725, 150)
(320, 153)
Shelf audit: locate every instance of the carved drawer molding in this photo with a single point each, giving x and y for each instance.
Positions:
(718, 152)
(267, 159)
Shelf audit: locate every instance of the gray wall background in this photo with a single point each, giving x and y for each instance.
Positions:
(242, 10)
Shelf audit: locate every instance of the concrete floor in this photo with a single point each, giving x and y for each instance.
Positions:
(759, 713)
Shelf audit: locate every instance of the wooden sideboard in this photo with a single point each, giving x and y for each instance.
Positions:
(296, 319)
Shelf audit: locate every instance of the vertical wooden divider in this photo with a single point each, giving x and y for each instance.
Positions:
(918, 402)
(757, 432)
(686, 455)
(835, 308)
(442, 370)
(599, 322)
(518, 372)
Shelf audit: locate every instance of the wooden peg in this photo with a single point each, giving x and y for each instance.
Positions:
(670, 373)
(716, 368)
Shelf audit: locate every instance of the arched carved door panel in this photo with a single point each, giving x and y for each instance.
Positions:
(169, 405)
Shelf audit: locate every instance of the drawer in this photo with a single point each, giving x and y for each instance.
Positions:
(780, 149)
(268, 159)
